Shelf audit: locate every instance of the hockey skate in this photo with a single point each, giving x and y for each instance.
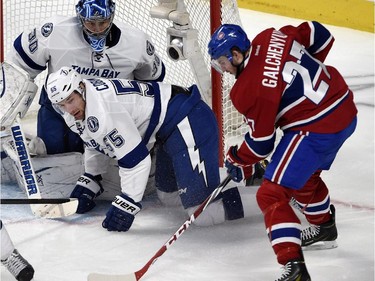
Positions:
(318, 237)
(19, 267)
(295, 270)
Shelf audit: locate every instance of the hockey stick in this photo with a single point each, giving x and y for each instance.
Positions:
(135, 276)
(49, 210)
(37, 201)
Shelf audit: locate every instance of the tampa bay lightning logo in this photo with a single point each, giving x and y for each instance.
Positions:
(93, 123)
(150, 48)
(47, 29)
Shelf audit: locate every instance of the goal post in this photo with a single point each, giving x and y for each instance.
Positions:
(202, 17)
(216, 82)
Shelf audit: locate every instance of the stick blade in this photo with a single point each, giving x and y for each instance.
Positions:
(107, 277)
(52, 211)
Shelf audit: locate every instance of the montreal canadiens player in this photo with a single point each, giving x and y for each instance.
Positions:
(124, 119)
(282, 82)
(92, 43)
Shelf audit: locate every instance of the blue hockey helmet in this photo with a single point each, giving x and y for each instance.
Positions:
(225, 38)
(96, 17)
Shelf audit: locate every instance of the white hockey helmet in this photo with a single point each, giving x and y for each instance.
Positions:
(62, 83)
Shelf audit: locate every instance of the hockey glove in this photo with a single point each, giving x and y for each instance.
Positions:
(236, 168)
(87, 188)
(120, 215)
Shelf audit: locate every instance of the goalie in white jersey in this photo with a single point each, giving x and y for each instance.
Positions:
(92, 43)
(124, 119)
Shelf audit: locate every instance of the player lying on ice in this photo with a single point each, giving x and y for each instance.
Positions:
(124, 119)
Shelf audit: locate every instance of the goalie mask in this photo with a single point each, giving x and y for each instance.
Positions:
(96, 17)
(62, 83)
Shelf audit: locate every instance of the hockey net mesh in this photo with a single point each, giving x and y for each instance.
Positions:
(23, 15)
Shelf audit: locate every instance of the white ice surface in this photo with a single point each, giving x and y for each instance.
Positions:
(69, 249)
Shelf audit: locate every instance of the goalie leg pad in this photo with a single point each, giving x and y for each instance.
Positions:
(56, 174)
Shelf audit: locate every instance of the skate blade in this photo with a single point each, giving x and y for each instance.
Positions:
(322, 245)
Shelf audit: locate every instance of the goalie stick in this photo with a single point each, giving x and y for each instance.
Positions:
(36, 201)
(47, 210)
(135, 276)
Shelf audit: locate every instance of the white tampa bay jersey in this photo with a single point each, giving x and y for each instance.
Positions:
(59, 41)
(122, 118)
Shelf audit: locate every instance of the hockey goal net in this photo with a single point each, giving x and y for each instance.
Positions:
(204, 16)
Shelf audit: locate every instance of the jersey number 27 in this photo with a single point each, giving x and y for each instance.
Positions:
(309, 70)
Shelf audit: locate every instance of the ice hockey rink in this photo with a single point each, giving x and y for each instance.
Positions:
(71, 248)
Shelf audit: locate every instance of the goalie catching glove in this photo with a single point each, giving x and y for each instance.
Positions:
(240, 171)
(88, 187)
(120, 215)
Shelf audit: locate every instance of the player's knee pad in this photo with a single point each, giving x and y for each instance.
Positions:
(270, 193)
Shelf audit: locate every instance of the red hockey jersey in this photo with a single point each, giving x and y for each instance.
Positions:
(286, 85)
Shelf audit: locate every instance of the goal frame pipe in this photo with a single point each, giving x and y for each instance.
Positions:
(216, 81)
